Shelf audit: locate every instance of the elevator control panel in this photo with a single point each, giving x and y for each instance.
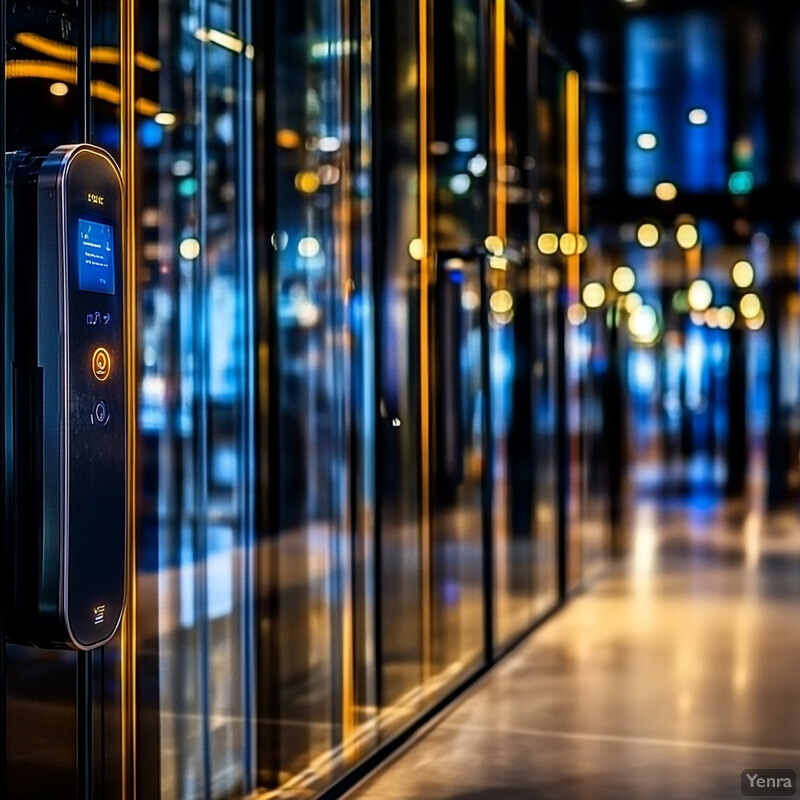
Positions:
(66, 370)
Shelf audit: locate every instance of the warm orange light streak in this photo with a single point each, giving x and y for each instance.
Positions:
(42, 69)
(424, 284)
(573, 281)
(500, 130)
(128, 643)
(573, 189)
(47, 47)
(343, 221)
(68, 52)
(147, 107)
(693, 261)
(106, 91)
(51, 71)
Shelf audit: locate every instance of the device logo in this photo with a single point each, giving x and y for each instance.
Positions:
(97, 199)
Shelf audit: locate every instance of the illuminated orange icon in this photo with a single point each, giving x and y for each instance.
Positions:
(101, 364)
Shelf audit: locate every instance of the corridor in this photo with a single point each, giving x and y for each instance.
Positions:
(670, 675)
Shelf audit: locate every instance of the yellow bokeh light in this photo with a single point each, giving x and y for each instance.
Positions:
(287, 138)
(712, 317)
(498, 262)
(547, 244)
(643, 325)
(756, 323)
(568, 244)
(697, 317)
(632, 302)
(58, 89)
(594, 295)
(307, 181)
(647, 141)
(624, 279)
(308, 247)
(189, 248)
(726, 316)
(743, 274)
(666, 191)
(165, 118)
(699, 295)
(494, 244)
(750, 305)
(647, 235)
(416, 249)
(501, 301)
(583, 243)
(687, 235)
(576, 314)
(698, 116)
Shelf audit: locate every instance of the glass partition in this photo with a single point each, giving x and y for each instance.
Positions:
(195, 444)
(524, 285)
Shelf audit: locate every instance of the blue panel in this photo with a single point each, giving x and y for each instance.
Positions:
(673, 66)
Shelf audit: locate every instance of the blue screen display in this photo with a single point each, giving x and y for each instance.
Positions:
(95, 256)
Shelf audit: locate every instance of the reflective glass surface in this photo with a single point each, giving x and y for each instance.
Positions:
(398, 319)
(523, 307)
(347, 401)
(308, 660)
(195, 424)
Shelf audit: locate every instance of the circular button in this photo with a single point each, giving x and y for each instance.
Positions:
(101, 364)
(100, 414)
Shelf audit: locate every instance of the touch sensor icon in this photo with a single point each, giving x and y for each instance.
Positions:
(101, 364)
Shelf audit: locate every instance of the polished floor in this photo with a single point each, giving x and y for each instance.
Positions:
(676, 670)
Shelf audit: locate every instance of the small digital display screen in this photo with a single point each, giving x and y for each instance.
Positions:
(95, 256)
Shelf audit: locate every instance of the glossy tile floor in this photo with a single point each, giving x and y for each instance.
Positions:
(676, 670)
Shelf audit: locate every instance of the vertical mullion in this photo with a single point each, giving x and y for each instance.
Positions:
(128, 159)
(84, 689)
(268, 700)
(487, 477)
(200, 403)
(344, 238)
(426, 265)
(572, 218)
(6, 461)
(84, 68)
(499, 116)
(246, 287)
(377, 182)
(84, 713)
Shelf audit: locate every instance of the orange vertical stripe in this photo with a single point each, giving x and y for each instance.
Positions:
(128, 158)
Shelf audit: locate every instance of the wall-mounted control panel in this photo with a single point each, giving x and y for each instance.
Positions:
(67, 425)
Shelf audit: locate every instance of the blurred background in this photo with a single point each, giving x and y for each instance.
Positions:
(432, 299)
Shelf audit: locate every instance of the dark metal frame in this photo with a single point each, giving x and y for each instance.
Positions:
(267, 703)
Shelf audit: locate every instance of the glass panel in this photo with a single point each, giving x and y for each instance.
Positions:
(195, 448)
(317, 659)
(460, 126)
(398, 302)
(523, 311)
(41, 51)
(459, 455)
(511, 342)
(364, 402)
(458, 408)
(311, 446)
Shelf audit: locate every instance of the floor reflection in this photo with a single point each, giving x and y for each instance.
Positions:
(673, 673)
